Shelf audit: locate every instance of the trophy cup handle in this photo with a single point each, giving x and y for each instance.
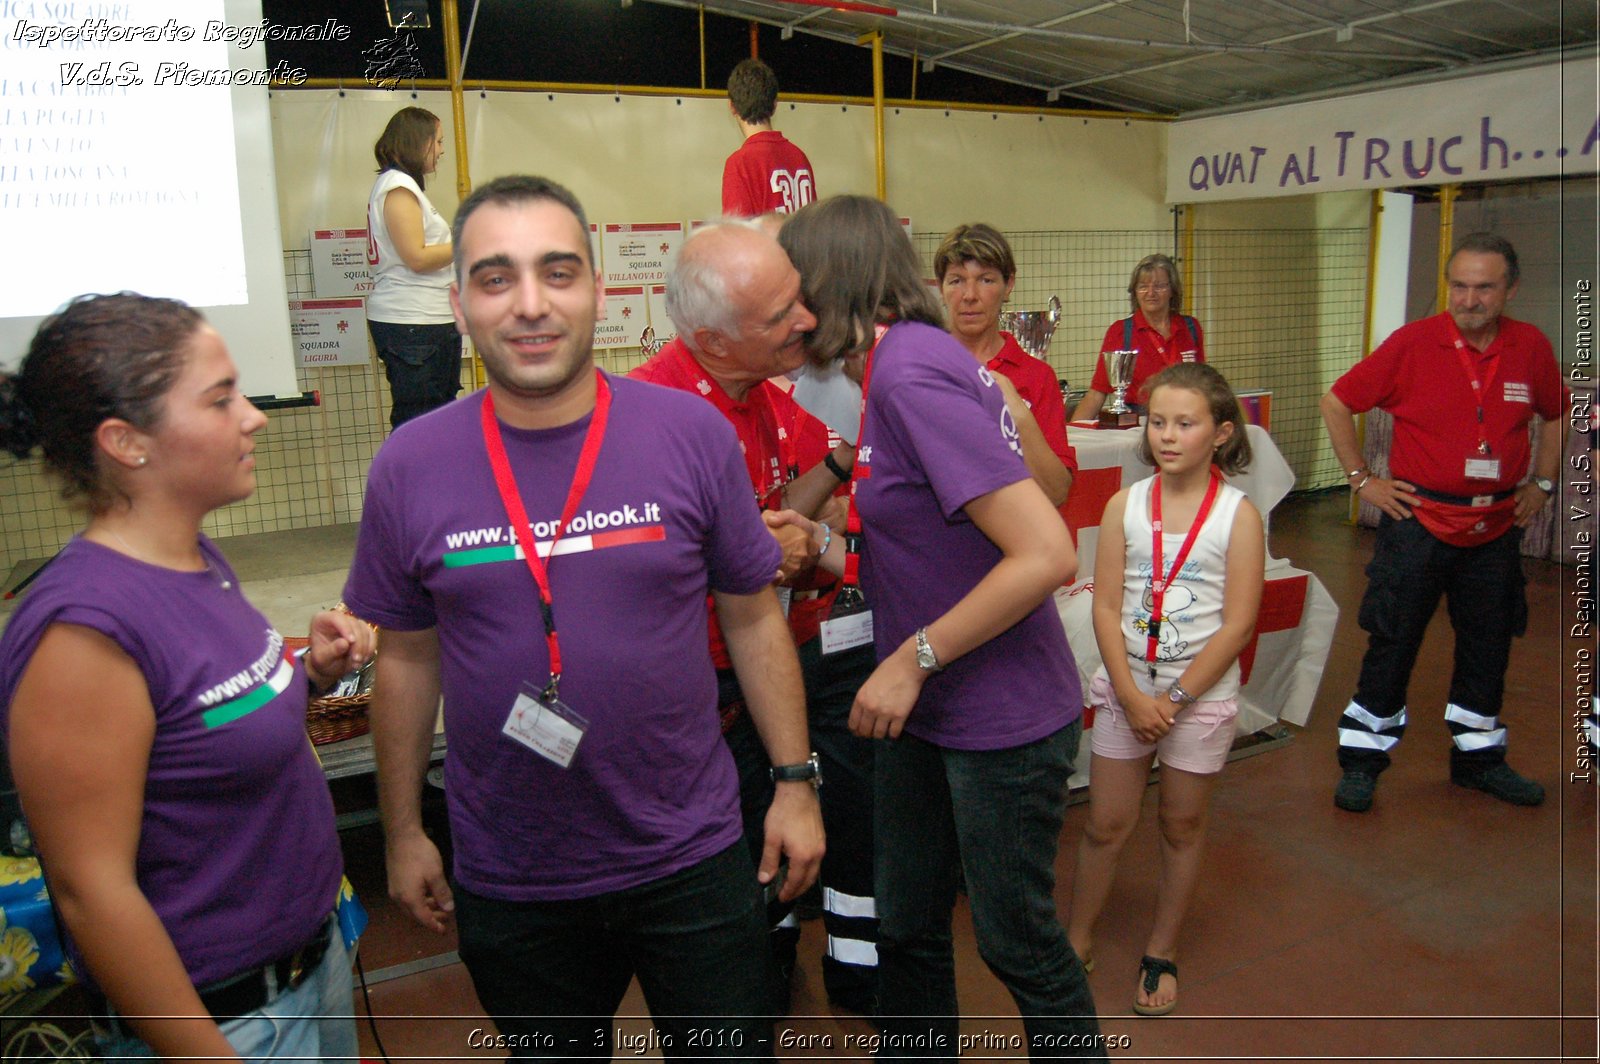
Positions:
(1054, 314)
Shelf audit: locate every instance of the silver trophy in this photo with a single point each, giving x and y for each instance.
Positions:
(1119, 370)
(1033, 328)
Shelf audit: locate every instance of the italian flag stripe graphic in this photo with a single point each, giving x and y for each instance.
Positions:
(246, 704)
(459, 559)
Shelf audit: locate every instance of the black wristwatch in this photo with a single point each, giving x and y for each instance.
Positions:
(809, 769)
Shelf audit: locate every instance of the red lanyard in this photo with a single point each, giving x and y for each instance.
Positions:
(1158, 582)
(1480, 387)
(759, 461)
(512, 498)
(861, 470)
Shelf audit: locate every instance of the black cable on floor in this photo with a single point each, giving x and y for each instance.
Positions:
(372, 1022)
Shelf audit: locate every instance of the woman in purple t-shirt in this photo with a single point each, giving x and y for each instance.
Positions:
(976, 698)
(155, 730)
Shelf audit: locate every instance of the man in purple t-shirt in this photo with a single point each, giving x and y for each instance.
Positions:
(594, 809)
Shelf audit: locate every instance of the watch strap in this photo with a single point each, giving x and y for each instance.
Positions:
(808, 769)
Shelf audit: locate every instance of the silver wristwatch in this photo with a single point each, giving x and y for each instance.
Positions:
(1181, 698)
(927, 660)
(1544, 484)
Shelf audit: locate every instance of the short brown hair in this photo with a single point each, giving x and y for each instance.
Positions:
(101, 356)
(1154, 262)
(980, 243)
(1234, 455)
(404, 143)
(857, 270)
(753, 90)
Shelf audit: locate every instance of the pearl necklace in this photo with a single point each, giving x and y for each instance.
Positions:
(227, 585)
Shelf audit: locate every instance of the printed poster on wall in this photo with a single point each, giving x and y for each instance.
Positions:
(329, 332)
(339, 263)
(639, 253)
(627, 315)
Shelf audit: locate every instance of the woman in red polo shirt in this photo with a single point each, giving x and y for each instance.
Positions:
(1156, 329)
(976, 272)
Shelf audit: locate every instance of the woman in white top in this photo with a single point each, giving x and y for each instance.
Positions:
(409, 254)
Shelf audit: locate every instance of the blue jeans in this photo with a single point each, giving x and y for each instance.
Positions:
(423, 364)
(552, 973)
(313, 1022)
(995, 817)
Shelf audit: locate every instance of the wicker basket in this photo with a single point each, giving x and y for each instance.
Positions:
(333, 718)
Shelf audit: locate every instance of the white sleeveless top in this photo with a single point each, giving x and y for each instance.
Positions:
(1193, 607)
(400, 295)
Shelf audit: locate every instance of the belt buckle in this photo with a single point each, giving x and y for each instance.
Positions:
(1482, 500)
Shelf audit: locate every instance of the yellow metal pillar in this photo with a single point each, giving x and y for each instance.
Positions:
(1447, 232)
(458, 116)
(458, 107)
(875, 38)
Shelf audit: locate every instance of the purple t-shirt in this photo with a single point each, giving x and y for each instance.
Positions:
(237, 848)
(937, 436)
(667, 517)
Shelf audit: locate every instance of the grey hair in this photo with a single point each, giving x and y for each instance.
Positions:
(697, 288)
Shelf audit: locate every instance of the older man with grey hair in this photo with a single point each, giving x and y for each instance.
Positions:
(735, 299)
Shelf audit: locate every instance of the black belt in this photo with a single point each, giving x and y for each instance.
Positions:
(1465, 500)
(244, 994)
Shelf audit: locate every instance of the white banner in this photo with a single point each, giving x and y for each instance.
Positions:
(329, 332)
(339, 263)
(1534, 122)
(640, 252)
(625, 318)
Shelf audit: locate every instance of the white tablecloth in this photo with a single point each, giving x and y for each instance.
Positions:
(1108, 461)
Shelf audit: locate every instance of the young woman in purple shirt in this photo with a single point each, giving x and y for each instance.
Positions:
(155, 729)
(976, 696)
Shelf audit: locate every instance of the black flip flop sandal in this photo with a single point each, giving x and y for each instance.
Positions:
(1151, 969)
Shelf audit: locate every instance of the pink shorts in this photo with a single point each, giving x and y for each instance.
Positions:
(1198, 741)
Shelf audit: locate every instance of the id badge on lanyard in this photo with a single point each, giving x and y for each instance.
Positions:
(1483, 465)
(538, 718)
(849, 623)
(546, 725)
(1159, 581)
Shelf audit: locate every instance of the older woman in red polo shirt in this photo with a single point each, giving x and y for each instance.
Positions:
(1156, 329)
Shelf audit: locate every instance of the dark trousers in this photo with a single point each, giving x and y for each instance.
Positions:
(849, 907)
(1484, 593)
(423, 364)
(551, 974)
(994, 817)
(849, 911)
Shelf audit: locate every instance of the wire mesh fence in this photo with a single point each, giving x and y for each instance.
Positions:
(1281, 309)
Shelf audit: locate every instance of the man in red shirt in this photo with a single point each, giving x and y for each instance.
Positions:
(767, 173)
(735, 300)
(1462, 387)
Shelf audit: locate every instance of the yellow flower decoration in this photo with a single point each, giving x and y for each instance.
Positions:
(19, 952)
(15, 870)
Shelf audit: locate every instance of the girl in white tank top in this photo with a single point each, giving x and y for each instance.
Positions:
(1178, 577)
